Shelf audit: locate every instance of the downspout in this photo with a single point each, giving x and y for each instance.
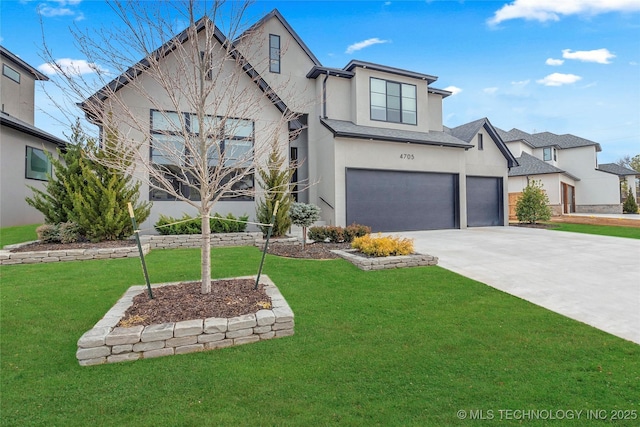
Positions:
(324, 95)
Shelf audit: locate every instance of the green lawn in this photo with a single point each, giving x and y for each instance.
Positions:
(603, 230)
(19, 234)
(390, 348)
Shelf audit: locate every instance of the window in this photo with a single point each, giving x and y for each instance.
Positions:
(546, 154)
(555, 155)
(393, 102)
(231, 139)
(480, 142)
(11, 73)
(274, 53)
(38, 165)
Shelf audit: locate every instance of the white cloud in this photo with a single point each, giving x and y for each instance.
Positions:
(70, 66)
(387, 3)
(633, 63)
(558, 79)
(365, 43)
(454, 90)
(50, 12)
(490, 90)
(601, 56)
(554, 62)
(521, 82)
(552, 10)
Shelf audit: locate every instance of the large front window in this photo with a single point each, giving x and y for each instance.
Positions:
(229, 146)
(38, 165)
(393, 102)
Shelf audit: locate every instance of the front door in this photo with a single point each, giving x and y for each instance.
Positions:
(568, 198)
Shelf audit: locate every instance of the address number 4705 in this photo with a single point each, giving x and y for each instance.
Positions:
(407, 156)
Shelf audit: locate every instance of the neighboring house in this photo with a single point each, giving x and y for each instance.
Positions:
(567, 166)
(23, 162)
(373, 147)
(629, 179)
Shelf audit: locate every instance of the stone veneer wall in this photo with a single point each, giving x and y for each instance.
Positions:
(599, 209)
(106, 343)
(384, 263)
(8, 258)
(195, 240)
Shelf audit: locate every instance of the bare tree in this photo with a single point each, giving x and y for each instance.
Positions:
(193, 114)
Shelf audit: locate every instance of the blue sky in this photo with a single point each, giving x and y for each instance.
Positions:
(570, 66)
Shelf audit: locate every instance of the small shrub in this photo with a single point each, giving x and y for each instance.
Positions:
(533, 205)
(69, 232)
(48, 233)
(193, 225)
(383, 246)
(317, 234)
(630, 206)
(304, 215)
(355, 230)
(335, 234)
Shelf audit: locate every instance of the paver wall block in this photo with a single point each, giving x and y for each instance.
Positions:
(147, 346)
(267, 335)
(240, 333)
(241, 322)
(261, 329)
(127, 357)
(158, 353)
(246, 340)
(187, 328)
(215, 324)
(95, 337)
(204, 338)
(189, 348)
(284, 333)
(283, 314)
(218, 344)
(178, 342)
(158, 332)
(265, 317)
(92, 353)
(281, 326)
(92, 362)
(120, 335)
(119, 349)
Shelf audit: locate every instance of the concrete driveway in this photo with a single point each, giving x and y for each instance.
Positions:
(593, 279)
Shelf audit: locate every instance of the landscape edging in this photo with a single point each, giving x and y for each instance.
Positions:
(385, 263)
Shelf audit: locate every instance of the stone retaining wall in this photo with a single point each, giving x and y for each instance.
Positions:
(106, 343)
(384, 263)
(195, 240)
(8, 258)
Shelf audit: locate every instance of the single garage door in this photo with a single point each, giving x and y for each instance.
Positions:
(485, 205)
(401, 201)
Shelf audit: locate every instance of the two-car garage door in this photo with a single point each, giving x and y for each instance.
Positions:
(389, 200)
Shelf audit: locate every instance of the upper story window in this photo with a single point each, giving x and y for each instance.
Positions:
(274, 53)
(11, 73)
(546, 154)
(393, 102)
(38, 165)
(232, 139)
(480, 142)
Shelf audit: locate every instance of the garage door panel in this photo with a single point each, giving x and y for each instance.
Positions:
(484, 201)
(401, 201)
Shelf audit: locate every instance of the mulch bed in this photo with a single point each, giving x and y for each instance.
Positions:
(38, 246)
(174, 303)
(311, 251)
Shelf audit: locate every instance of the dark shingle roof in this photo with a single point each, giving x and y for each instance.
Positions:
(392, 70)
(616, 169)
(341, 128)
(565, 141)
(519, 135)
(19, 125)
(530, 165)
(469, 130)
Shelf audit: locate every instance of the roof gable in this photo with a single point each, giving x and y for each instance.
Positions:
(566, 141)
(468, 131)
(26, 67)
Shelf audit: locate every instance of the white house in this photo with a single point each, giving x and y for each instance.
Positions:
(374, 147)
(23, 162)
(567, 166)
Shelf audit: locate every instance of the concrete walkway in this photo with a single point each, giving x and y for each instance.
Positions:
(593, 279)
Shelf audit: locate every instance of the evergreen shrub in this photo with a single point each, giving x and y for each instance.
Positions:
(193, 225)
(630, 205)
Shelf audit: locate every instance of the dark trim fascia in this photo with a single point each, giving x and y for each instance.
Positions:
(442, 92)
(317, 71)
(356, 135)
(511, 160)
(377, 67)
(31, 130)
(35, 73)
(276, 13)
